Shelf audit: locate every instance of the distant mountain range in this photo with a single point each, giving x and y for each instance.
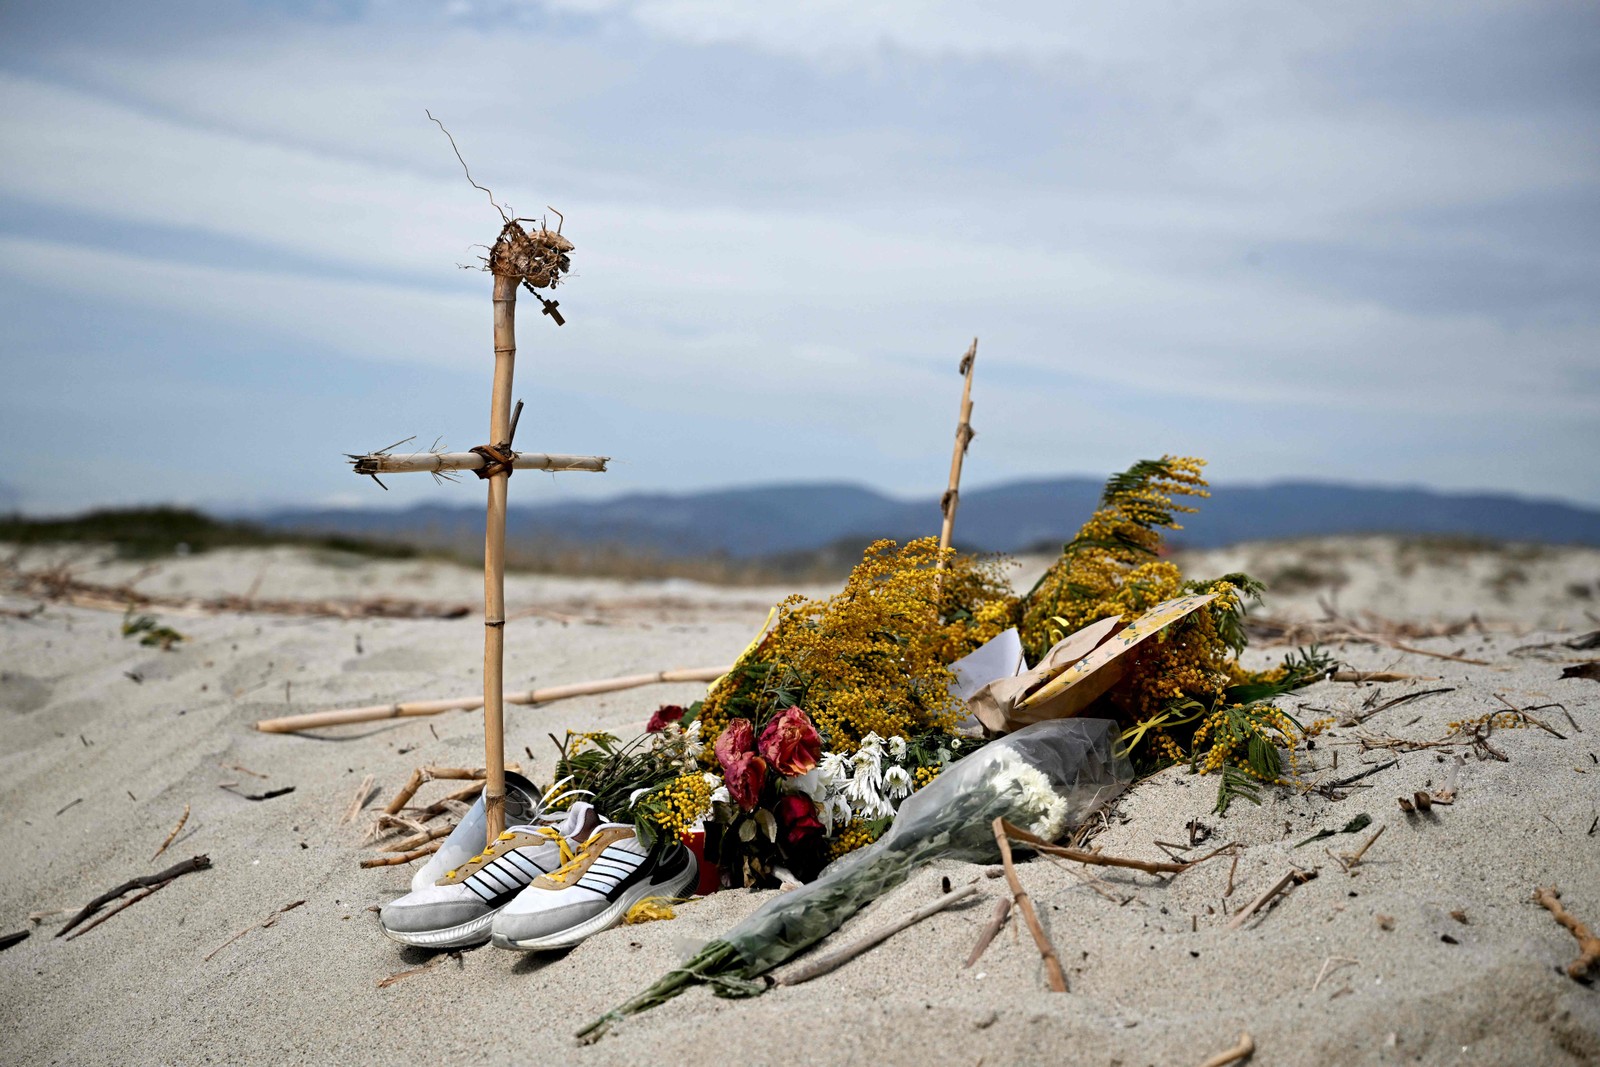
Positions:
(770, 521)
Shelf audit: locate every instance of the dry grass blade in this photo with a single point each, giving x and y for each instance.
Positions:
(385, 983)
(359, 801)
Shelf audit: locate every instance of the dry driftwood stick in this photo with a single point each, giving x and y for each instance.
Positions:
(1148, 866)
(359, 801)
(1273, 890)
(1002, 911)
(834, 960)
(1240, 1051)
(952, 496)
(143, 881)
(1588, 944)
(403, 857)
(123, 906)
(181, 820)
(1052, 963)
(418, 840)
(372, 713)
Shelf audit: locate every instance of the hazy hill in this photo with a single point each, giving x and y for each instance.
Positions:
(775, 520)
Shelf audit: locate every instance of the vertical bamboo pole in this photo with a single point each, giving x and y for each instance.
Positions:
(494, 560)
(952, 495)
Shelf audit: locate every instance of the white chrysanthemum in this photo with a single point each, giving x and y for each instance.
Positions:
(872, 743)
(897, 747)
(862, 792)
(944, 755)
(691, 740)
(880, 809)
(720, 795)
(834, 766)
(1040, 809)
(897, 782)
(868, 764)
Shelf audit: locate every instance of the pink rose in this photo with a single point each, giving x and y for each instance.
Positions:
(738, 738)
(665, 714)
(744, 777)
(790, 743)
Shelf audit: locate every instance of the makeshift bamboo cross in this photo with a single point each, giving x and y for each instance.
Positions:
(533, 260)
(952, 495)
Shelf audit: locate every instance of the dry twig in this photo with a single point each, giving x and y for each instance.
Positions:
(1293, 877)
(1052, 963)
(172, 836)
(1588, 944)
(1002, 911)
(268, 921)
(385, 983)
(1238, 1052)
(151, 882)
(403, 857)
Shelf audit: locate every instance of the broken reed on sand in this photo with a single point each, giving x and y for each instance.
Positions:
(313, 720)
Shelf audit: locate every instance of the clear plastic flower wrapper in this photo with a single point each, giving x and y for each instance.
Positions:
(1045, 778)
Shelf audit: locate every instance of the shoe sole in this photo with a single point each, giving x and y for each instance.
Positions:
(473, 932)
(573, 935)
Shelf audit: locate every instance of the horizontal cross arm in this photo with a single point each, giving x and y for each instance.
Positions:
(441, 462)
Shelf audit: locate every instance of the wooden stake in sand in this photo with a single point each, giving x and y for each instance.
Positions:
(518, 258)
(952, 495)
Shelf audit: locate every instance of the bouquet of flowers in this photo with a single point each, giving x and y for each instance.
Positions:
(1043, 778)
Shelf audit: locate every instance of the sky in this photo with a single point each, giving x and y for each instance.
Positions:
(1353, 242)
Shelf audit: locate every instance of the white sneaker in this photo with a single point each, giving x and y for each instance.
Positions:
(459, 909)
(593, 891)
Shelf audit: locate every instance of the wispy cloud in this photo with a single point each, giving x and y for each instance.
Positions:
(1303, 243)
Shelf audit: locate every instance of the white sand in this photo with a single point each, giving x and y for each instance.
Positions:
(1159, 980)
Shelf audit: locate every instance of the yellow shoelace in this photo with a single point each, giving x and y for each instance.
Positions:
(543, 831)
(563, 872)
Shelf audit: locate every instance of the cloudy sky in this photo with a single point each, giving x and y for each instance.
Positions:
(1355, 242)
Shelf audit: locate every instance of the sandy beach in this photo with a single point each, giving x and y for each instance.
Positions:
(1431, 951)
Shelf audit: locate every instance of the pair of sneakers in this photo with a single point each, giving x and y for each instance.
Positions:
(540, 887)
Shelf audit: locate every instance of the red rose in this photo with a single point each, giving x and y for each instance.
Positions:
(797, 817)
(666, 713)
(738, 738)
(744, 777)
(790, 743)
